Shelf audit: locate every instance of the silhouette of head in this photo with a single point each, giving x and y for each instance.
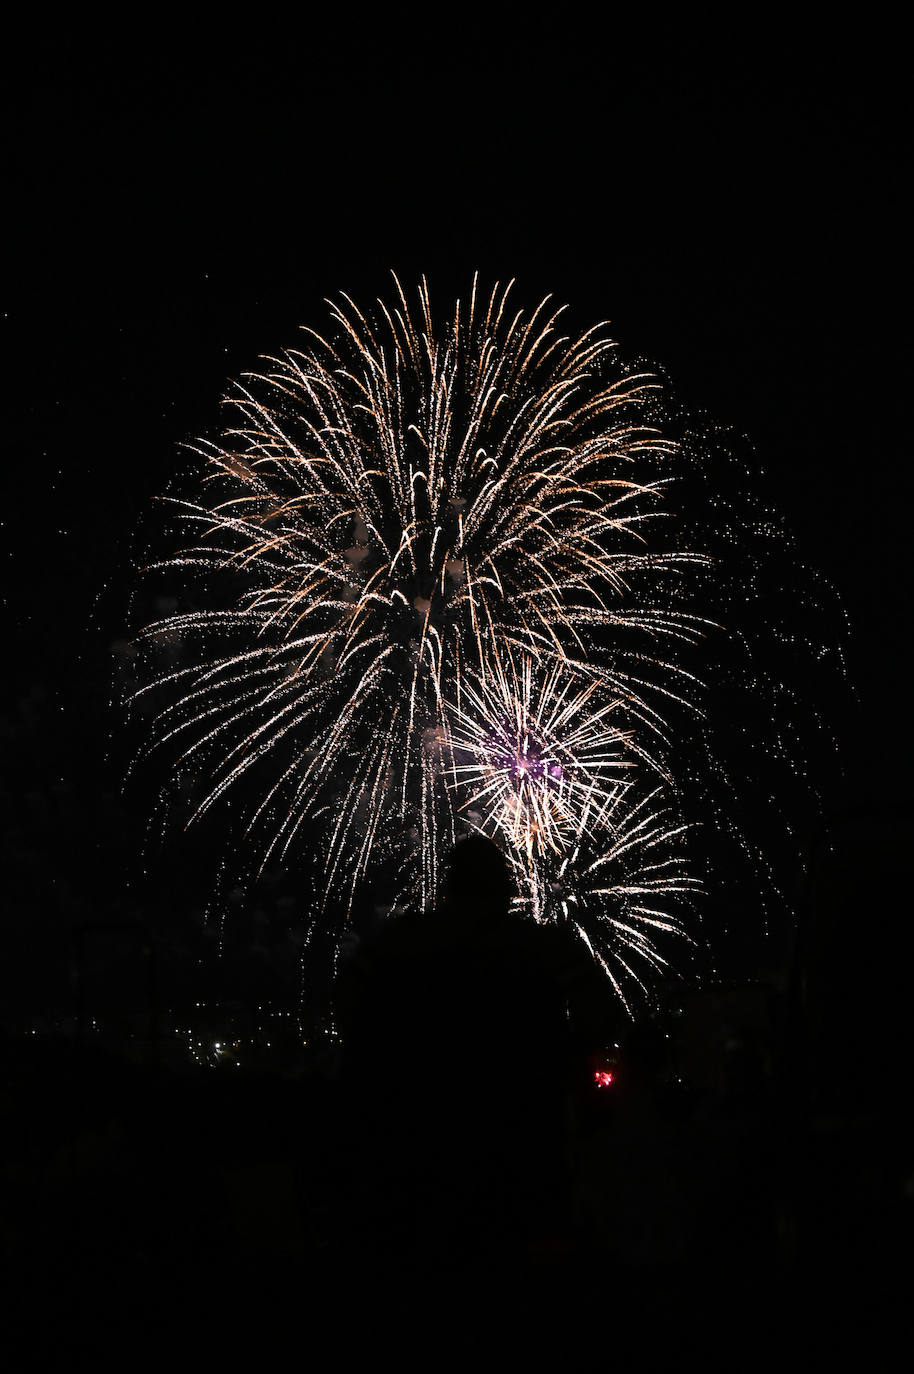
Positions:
(477, 878)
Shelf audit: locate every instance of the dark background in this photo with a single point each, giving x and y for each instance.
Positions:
(734, 208)
(734, 201)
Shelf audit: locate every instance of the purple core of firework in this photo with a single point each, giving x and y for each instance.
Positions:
(524, 761)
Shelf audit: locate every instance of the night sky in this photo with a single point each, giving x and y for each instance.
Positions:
(738, 214)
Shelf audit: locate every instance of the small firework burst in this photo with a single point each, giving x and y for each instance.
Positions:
(622, 884)
(533, 747)
(540, 766)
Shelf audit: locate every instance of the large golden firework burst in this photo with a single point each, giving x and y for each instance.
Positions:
(392, 512)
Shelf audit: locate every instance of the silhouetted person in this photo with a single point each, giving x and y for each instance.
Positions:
(459, 1028)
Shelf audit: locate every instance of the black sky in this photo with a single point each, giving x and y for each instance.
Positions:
(737, 210)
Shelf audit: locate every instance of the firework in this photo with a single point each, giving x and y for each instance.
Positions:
(533, 748)
(539, 764)
(428, 581)
(622, 884)
(384, 507)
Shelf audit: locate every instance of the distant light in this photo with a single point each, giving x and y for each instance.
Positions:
(602, 1078)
